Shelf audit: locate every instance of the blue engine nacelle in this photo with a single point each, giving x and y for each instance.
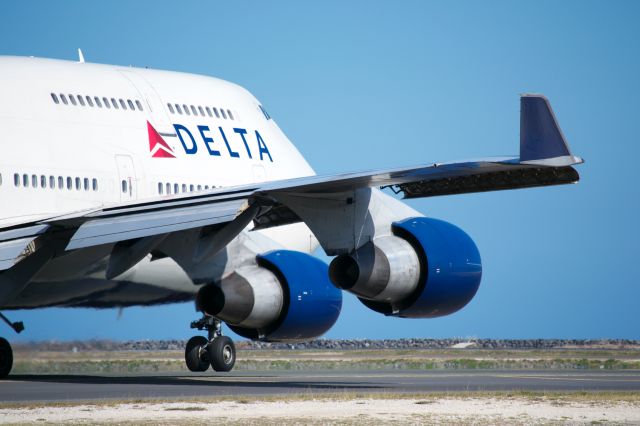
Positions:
(428, 268)
(287, 296)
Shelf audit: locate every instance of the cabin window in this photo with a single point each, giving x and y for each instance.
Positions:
(124, 186)
(191, 188)
(170, 108)
(25, 180)
(114, 103)
(52, 182)
(139, 104)
(55, 98)
(73, 99)
(178, 109)
(193, 110)
(78, 184)
(89, 101)
(201, 111)
(160, 188)
(176, 188)
(130, 103)
(85, 181)
(69, 183)
(223, 114)
(64, 99)
(60, 182)
(215, 111)
(43, 181)
(168, 188)
(122, 104)
(80, 100)
(105, 101)
(34, 181)
(95, 184)
(184, 187)
(209, 111)
(186, 109)
(229, 114)
(199, 187)
(16, 179)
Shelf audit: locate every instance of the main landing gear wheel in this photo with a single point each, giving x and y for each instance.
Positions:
(222, 353)
(217, 351)
(6, 358)
(196, 355)
(6, 354)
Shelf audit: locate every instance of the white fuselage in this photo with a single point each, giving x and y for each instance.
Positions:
(64, 149)
(46, 139)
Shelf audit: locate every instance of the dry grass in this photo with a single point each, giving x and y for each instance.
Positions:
(126, 362)
(595, 397)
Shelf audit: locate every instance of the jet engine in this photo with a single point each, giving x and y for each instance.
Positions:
(286, 296)
(427, 268)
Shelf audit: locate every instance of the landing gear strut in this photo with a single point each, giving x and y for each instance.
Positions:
(6, 354)
(217, 351)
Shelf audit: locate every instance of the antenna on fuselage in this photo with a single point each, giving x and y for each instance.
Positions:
(80, 56)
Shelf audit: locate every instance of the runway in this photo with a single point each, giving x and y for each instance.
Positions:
(23, 388)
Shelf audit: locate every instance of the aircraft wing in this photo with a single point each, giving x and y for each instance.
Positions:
(545, 159)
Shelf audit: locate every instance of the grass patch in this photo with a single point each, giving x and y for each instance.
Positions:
(194, 408)
(133, 366)
(171, 361)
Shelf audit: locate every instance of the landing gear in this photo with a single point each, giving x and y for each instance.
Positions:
(196, 355)
(217, 351)
(6, 358)
(222, 353)
(6, 354)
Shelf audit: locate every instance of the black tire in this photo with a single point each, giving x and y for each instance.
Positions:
(195, 356)
(6, 358)
(222, 353)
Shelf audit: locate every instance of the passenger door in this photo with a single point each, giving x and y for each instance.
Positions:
(127, 185)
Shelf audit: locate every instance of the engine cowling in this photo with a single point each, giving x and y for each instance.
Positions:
(427, 268)
(287, 296)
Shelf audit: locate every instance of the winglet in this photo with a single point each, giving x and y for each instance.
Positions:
(541, 139)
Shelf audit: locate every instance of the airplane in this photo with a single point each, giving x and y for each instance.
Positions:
(124, 186)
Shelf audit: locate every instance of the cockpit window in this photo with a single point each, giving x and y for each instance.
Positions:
(264, 111)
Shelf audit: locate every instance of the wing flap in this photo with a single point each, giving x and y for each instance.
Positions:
(28, 230)
(137, 225)
(12, 250)
(508, 178)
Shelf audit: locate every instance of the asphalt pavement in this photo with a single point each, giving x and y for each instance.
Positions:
(23, 388)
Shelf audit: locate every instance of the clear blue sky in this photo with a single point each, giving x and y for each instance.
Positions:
(366, 84)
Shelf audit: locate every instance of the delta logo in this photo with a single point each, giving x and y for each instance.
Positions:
(157, 146)
(237, 144)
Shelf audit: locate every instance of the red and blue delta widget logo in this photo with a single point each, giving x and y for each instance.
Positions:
(215, 142)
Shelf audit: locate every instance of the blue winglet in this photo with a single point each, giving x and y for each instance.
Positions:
(540, 136)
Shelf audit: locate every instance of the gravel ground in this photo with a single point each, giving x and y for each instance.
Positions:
(445, 410)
